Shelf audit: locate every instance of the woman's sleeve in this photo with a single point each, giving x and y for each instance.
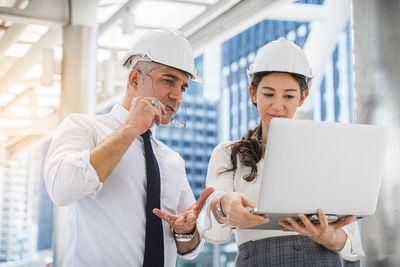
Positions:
(213, 231)
(352, 250)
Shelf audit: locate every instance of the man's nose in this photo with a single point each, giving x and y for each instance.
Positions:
(176, 94)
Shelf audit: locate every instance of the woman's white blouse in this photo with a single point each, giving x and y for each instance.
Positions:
(233, 182)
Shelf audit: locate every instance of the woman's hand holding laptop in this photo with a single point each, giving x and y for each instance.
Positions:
(330, 235)
(231, 208)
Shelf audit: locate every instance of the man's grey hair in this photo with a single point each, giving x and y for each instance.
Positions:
(145, 67)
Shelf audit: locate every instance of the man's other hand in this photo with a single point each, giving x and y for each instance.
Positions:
(185, 222)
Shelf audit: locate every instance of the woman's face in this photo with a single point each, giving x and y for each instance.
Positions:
(277, 95)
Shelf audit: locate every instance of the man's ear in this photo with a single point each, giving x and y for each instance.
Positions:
(134, 78)
(304, 95)
(252, 94)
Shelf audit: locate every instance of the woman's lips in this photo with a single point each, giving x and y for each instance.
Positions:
(275, 115)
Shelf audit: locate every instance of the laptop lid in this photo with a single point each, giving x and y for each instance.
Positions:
(333, 166)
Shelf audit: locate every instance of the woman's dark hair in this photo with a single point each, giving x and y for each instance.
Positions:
(251, 148)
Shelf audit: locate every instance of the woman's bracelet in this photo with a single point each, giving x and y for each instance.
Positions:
(218, 210)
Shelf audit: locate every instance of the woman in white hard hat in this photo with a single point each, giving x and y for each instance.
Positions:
(279, 82)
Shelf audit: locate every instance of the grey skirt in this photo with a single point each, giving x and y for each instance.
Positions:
(286, 251)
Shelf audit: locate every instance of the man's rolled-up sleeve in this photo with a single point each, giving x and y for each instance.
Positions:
(68, 174)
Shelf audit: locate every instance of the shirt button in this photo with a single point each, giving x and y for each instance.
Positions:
(297, 246)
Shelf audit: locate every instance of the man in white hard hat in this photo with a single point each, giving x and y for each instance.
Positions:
(129, 201)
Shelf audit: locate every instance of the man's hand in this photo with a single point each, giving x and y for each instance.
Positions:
(143, 114)
(185, 222)
(330, 235)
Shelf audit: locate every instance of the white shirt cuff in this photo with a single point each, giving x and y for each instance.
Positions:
(352, 250)
(214, 231)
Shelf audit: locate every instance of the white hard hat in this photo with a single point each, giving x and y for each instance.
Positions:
(167, 47)
(282, 56)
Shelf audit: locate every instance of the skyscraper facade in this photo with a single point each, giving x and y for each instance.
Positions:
(196, 141)
(45, 205)
(17, 210)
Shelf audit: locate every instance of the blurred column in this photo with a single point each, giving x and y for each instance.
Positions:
(109, 67)
(376, 43)
(216, 255)
(3, 148)
(78, 87)
(47, 66)
(79, 70)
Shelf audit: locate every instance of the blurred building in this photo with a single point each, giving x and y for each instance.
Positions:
(17, 206)
(45, 206)
(196, 141)
(197, 88)
(26, 211)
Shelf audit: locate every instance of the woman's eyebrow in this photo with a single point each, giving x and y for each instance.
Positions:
(273, 89)
(267, 87)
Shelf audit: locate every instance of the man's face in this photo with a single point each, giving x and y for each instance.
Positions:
(167, 85)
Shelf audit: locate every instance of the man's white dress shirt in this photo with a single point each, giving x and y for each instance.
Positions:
(107, 220)
(215, 232)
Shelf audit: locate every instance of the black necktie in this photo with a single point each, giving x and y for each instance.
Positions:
(154, 242)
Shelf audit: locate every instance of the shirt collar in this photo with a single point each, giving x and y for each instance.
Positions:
(121, 115)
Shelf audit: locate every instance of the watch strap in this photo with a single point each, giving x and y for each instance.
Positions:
(185, 237)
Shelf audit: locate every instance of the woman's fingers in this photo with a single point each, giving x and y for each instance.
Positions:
(343, 222)
(322, 219)
(286, 225)
(308, 225)
(248, 202)
(235, 204)
(296, 226)
(243, 218)
(254, 220)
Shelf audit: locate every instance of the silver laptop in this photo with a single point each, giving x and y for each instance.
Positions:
(309, 165)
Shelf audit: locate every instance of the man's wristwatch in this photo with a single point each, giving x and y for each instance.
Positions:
(185, 237)
(218, 210)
